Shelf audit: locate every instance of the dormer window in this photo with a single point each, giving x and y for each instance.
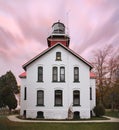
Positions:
(58, 56)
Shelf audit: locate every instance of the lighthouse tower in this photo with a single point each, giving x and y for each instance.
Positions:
(58, 35)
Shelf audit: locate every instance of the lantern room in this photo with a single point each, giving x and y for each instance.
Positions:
(58, 28)
(58, 35)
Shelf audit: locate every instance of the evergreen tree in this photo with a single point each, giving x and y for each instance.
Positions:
(8, 89)
(8, 98)
(11, 82)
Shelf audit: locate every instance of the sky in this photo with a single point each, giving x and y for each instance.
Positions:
(26, 24)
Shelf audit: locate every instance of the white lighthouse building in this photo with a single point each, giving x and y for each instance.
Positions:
(57, 83)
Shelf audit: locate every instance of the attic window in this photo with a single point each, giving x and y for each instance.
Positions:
(58, 56)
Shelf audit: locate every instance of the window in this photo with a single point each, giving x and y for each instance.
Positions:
(76, 74)
(91, 113)
(25, 92)
(76, 98)
(40, 74)
(24, 113)
(40, 98)
(58, 97)
(62, 74)
(90, 93)
(58, 56)
(40, 114)
(55, 73)
(76, 115)
(56, 77)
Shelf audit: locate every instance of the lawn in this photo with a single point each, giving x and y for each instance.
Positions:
(112, 113)
(5, 124)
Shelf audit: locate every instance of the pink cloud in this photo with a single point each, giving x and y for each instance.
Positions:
(25, 26)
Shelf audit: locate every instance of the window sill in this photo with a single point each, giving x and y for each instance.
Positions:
(40, 105)
(40, 81)
(76, 81)
(58, 81)
(58, 105)
(58, 60)
(55, 81)
(76, 105)
(62, 81)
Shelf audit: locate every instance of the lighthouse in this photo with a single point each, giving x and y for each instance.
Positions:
(57, 83)
(58, 35)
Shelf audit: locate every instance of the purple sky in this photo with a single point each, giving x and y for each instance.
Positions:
(26, 24)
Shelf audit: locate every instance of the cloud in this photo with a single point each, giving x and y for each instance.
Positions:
(26, 24)
(100, 27)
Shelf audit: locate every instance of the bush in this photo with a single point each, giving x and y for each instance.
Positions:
(99, 110)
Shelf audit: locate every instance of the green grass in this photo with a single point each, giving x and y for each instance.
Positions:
(5, 124)
(78, 119)
(112, 113)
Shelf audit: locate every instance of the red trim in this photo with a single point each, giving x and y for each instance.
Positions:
(48, 49)
(52, 43)
(22, 75)
(92, 75)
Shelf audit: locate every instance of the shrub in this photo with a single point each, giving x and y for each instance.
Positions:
(99, 110)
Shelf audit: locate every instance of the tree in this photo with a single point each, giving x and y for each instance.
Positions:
(100, 68)
(2, 84)
(8, 98)
(11, 81)
(106, 64)
(1, 101)
(99, 110)
(8, 89)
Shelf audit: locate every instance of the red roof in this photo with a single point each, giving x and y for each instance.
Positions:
(48, 49)
(23, 75)
(92, 75)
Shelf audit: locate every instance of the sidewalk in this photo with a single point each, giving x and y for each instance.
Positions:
(15, 119)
